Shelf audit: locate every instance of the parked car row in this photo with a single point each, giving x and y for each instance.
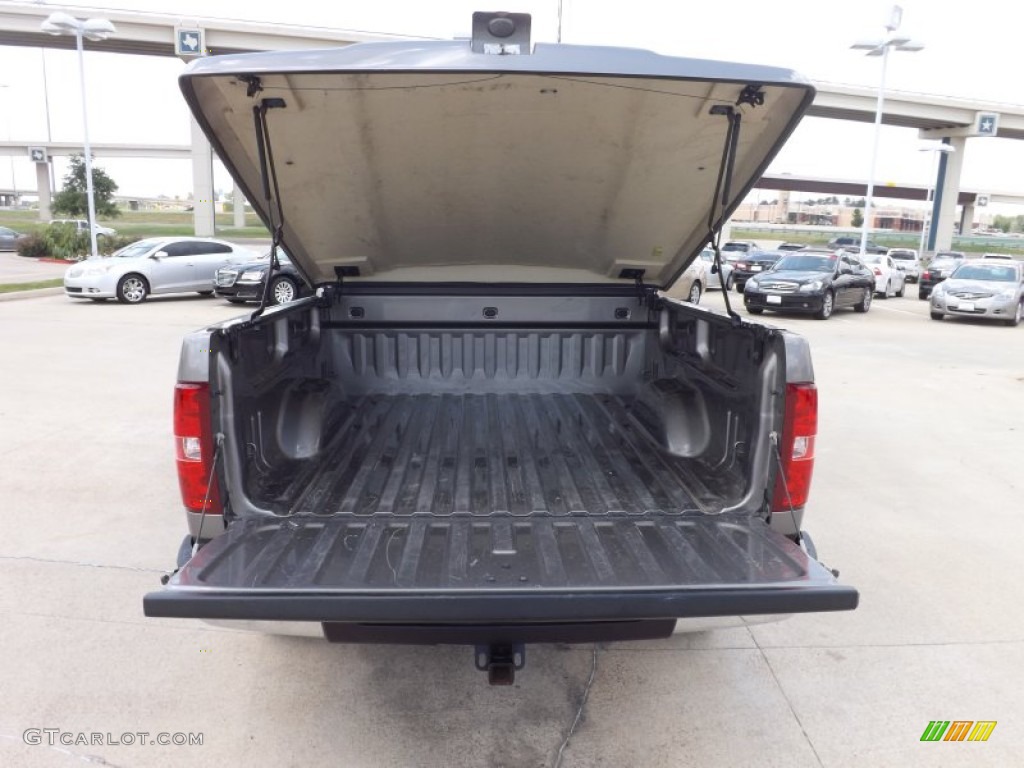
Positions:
(164, 265)
(805, 279)
(820, 281)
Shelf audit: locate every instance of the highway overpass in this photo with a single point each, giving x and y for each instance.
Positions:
(935, 117)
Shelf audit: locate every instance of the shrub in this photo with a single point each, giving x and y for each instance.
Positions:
(33, 247)
(66, 241)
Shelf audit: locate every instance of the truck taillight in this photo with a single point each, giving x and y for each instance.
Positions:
(799, 429)
(194, 448)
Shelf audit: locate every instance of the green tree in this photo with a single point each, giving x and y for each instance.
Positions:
(1002, 223)
(73, 201)
(858, 218)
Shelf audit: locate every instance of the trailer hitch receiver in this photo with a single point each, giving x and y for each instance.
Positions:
(500, 661)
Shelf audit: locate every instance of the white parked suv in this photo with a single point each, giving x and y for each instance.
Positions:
(907, 260)
(154, 265)
(83, 226)
(889, 280)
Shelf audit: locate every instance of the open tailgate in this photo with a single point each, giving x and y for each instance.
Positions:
(469, 571)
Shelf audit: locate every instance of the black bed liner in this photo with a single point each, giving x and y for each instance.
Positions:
(481, 455)
(506, 508)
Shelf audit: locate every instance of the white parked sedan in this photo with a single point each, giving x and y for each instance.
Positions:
(155, 265)
(889, 279)
(714, 279)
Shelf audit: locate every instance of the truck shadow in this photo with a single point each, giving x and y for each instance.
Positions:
(377, 705)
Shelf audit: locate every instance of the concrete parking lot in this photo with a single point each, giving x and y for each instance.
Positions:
(918, 500)
(17, 269)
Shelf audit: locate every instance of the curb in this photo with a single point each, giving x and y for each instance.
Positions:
(36, 294)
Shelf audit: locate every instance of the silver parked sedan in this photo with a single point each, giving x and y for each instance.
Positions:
(155, 265)
(991, 290)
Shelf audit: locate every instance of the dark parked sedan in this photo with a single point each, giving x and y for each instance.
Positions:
(239, 283)
(936, 271)
(817, 283)
(753, 263)
(9, 239)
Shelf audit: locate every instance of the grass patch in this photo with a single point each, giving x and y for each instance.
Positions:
(15, 287)
(147, 224)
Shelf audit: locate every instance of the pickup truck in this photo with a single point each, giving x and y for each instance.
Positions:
(82, 225)
(853, 243)
(490, 425)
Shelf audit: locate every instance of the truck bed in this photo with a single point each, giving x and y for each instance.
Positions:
(507, 477)
(493, 455)
(509, 508)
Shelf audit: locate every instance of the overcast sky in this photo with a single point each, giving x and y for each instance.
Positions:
(973, 50)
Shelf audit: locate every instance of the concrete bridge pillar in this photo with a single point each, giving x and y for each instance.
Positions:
(947, 190)
(238, 203)
(967, 219)
(202, 184)
(44, 191)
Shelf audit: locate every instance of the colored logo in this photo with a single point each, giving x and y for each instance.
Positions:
(959, 730)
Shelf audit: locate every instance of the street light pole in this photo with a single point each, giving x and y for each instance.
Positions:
(61, 23)
(881, 48)
(14, 181)
(879, 104)
(88, 150)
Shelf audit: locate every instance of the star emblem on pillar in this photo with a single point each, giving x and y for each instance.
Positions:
(987, 124)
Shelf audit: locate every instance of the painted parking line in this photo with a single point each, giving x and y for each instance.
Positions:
(876, 305)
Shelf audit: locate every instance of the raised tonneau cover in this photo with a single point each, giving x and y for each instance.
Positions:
(419, 161)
